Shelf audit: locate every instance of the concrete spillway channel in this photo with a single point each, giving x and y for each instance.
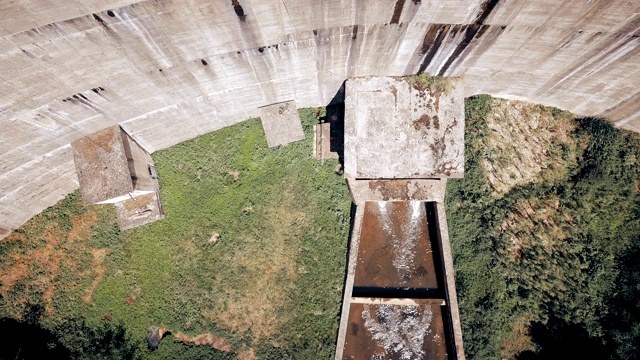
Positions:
(403, 138)
(399, 301)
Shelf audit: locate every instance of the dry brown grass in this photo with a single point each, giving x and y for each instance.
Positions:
(10, 275)
(81, 226)
(207, 339)
(37, 264)
(535, 222)
(518, 340)
(525, 144)
(268, 268)
(99, 269)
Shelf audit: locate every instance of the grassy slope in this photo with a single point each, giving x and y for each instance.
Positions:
(543, 265)
(272, 281)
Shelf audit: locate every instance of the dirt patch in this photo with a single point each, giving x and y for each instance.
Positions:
(133, 297)
(246, 354)
(207, 339)
(214, 238)
(139, 203)
(235, 174)
(81, 225)
(526, 143)
(268, 267)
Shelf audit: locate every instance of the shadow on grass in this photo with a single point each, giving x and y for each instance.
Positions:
(72, 339)
(24, 340)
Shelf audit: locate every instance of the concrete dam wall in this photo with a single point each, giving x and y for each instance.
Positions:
(168, 71)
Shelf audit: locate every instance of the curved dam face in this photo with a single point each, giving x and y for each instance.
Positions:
(168, 71)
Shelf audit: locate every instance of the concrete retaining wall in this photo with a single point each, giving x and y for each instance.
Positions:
(168, 71)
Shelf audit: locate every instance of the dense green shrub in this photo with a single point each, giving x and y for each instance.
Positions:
(572, 277)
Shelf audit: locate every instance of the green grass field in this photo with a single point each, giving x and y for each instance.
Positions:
(271, 282)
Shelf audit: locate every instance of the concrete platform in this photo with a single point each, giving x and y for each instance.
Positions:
(397, 190)
(403, 128)
(322, 143)
(138, 211)
(281, 123)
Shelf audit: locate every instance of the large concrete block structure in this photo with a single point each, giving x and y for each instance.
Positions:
(403, 137)
(403, 128)
(112, 167)
(168, 71)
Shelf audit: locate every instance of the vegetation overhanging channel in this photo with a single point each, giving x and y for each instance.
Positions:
(544, 230)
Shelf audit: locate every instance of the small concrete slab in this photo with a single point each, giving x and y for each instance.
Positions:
(403, 128)
(281, 123)
(138, 211)
(322, 143)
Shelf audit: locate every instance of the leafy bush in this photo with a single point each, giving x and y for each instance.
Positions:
(551, 257)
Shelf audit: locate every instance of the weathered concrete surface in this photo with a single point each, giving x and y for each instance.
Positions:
(322, 143)
(449, 277)
(112, 167)
(397, 130)
(281, 123)
(139, 161)
(354, 247)
(70, 69)
(397, 190)
(138, 211)
(101, 165)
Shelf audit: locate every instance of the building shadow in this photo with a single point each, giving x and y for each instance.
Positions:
(335, 118)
